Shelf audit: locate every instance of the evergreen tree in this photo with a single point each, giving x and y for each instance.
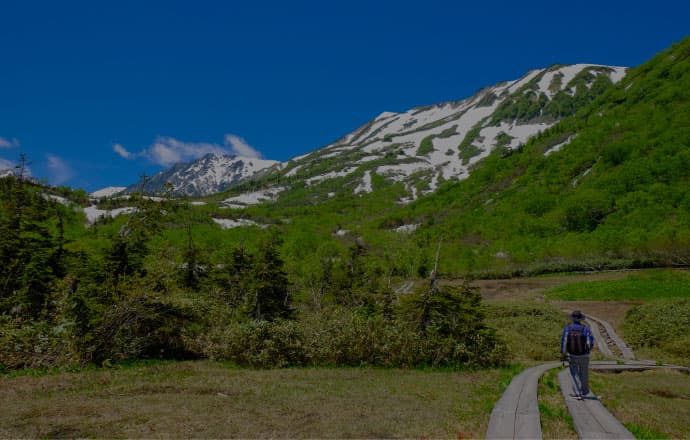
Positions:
(27, 249)
(269, 297)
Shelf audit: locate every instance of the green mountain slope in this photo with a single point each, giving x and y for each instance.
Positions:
(606, 187)
(617, 193)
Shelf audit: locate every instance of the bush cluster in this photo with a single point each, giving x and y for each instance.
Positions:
(661, 325)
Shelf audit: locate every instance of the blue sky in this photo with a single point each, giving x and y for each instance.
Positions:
(96, 93)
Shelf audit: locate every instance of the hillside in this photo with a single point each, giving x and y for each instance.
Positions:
(426, 146)
(284, 271)
(604, 187)
(421, 147)
(615, 191)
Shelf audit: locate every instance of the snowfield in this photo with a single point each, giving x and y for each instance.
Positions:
(93, 213)
(230, 224)
(253, 198)
(107, 192)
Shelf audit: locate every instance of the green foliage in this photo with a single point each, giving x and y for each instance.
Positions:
(487, 100)
(268, 297)
(526, 105)
(503, 139)
(615, 196)
(641, 432)
(29, 251)
(34, 344)
(661, 325)
(646, 286)
(586, 210)
(426, 146)
(466, 148)
(531, 330)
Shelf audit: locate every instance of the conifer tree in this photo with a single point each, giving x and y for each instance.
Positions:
(269, 297)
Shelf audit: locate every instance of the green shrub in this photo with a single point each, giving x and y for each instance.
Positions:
(426, 146)
(661, 326)
(35, 344)
(260, 344)
(531, 330)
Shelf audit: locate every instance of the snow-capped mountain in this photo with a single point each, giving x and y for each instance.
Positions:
(210, 174)
(427, 145)
(421, 147)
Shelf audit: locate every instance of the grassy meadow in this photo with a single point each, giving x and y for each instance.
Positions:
(657, 304)
(648, 285)
(651, 404)
(206, 399)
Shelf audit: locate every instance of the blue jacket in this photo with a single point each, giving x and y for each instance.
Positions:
(587, 332)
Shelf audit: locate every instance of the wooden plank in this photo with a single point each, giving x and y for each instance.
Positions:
(591, 419)
(599, 339)
(516, 414)
(622, 346)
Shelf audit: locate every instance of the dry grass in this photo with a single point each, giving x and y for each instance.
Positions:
(211, 400)
(652, 404)
(611, 311)
(555, 420)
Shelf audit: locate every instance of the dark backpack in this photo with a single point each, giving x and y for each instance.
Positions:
(576, 340)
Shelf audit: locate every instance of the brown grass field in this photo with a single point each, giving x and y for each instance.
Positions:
(212, 400)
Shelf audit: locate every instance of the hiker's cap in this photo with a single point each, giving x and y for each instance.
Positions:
(577, 316)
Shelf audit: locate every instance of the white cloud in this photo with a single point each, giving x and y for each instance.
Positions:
(168, 151)
(59, 169)
(240, 147)
(6, 164)
(5, 143)
(119, 149)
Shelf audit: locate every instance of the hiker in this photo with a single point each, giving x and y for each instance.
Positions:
(576, 343)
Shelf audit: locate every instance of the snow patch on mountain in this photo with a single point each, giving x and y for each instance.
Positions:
(399, 172)
(558, 147)
(253, 198)
(93, 213)
(407, 229)
(107, 192)
(365, 186)
(59, 199)
(293, 171)
(230, 224)
(331, 175)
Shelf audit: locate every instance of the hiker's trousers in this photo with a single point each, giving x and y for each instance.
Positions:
(579, 369)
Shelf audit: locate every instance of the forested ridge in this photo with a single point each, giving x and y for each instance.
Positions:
(316, 285)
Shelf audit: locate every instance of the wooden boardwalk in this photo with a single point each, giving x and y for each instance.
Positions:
(516, 414)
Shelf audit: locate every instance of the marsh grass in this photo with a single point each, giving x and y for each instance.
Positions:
(556, 422)
(644, 285)
(530, 329)
(212, 400)
(651, 404)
